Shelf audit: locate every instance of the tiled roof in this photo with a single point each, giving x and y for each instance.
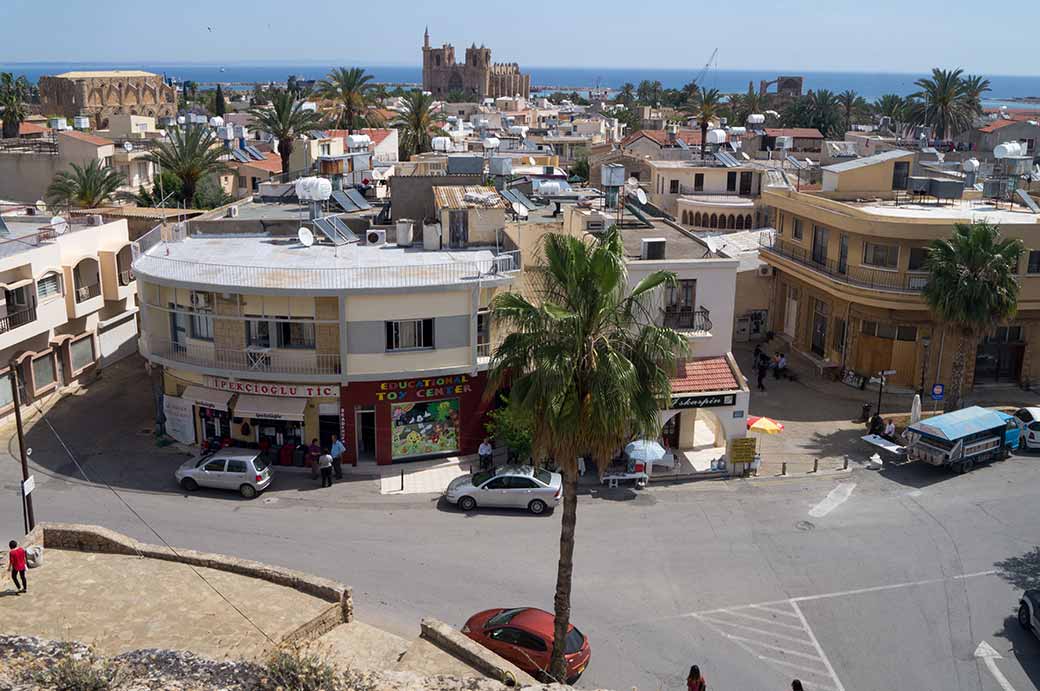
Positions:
(272, 163)
(996, 125)
(691, 137)
(796, 132)
(89, 138)
(377, 135)
(704, 374)
(31, 128)
(453, 197)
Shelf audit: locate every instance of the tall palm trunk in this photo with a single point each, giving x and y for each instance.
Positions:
(564, 573)
(960, 361)
(285, 149)
(704, 140)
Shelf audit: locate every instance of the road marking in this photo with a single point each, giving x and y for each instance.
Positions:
(764, 620)
(823, 655)
(754, 630)
(837, 496)
(775, 611)
(785, 663)
(777, 648)
(990, 657)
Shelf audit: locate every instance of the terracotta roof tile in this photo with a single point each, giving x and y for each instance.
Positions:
(704, 374)
(796, 132)
(997, 124)
(31, 128)
(272, 163)
(377, 135)
(89, 138)
(691, 137)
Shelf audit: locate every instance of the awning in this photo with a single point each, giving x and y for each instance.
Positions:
(208, 398)
(15, 285)
(270, 408)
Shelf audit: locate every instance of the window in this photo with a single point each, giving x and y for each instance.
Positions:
(900, 173)
(886, 331)
(324, 149)
(521, 483)
(501, 482)
(215, 466)
(6, 397)
(43, 372)
(573, 642)
(529, 641)
(906, 333)
(202, 327)
(458, 226)
(796, 231)
(684, 294)
(236, 466)
(883, 256)
(409, 334)
(295, 334)
(483, 326)
(698, 182)
(869, 328)
(1024, 415)
(918, 256)
(49, 286)
(82, 352)
(1034, 262)
(673, 187)
(241, 182)
(731, 181)
(839, 335)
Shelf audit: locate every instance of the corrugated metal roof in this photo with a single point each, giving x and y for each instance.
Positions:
(959, 423)
(454, 197)
(867, 161)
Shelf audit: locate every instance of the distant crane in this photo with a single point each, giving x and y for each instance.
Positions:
(707, 66)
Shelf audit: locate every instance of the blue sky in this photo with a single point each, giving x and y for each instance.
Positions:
(880, 35)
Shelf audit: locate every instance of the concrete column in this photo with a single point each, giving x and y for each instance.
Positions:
(343, 338)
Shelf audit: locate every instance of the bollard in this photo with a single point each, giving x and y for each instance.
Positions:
(845, 465)
(402, 479)
(816, 465)
(783, 468)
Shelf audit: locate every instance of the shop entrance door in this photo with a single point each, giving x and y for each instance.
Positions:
(328, 425)
(365, 423)
(670, 432)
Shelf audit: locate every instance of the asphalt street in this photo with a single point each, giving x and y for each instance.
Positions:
(858, 582)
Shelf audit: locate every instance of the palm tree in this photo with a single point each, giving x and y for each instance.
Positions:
(587, 368)
(219, 105)
(627, 94)
(285, 120)
(350, 91)
(942, 103)
(191, 153)
(84, 187)
(14, 92)
(890, 106)
(971, 288)
(415, 122)
(824, 111)
(743, 105)
(853, 106)
(706, 106)
(975, 85)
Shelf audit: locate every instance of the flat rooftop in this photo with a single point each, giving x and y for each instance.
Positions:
(24, 232)
(952, 210)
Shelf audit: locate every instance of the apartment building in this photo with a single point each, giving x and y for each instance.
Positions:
(710, 194)
(848, 271)
(67, 305)
(381, 338)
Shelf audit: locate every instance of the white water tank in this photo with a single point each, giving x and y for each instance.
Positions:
(404, 232)
(313, 189)
(756, 119)
(441, 143)
(551, 188)
(970, 165)
(737, 131)
(358, 141)
(216, 121)
(1007, 150)
(491, 143)
(81, 123)
(431, 236)
(716, 136)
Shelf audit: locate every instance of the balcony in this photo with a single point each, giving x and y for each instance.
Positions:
(15, 319)
(126, 277)
(251, 361)
(853, 275)
(687, 318)
(87, 292)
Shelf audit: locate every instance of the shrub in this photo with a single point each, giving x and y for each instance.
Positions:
(289, 668)
(83, 674)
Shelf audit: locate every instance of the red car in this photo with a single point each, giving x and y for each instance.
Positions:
(524, 636)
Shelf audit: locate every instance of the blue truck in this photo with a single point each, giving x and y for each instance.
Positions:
(962, 439)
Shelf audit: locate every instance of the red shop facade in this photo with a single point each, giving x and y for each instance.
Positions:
(401, 420)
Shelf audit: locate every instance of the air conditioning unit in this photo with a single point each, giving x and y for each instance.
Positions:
(94, 220)
(375, 237)
(765, 270)
(652, 248)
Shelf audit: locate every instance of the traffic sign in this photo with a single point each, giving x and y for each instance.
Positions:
(937, 392)
(888, 373)
(28, 485)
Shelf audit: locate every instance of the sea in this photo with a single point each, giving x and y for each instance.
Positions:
(870, 85)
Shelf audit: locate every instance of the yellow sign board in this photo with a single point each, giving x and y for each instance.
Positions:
(742, 450)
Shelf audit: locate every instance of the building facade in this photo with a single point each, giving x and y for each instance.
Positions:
(100, 94)
(476, 77)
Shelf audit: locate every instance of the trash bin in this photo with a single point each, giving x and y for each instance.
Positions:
(864, 414)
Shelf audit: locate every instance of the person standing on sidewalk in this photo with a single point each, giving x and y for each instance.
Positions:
(337, 450)
(695, 682)
(796, 685)
(325, 465)
(313, 453)
(763, 369)
(16, 562)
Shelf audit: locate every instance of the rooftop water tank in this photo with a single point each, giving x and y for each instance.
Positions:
(756, 119)
(431, 236)
(491, 143)
(216, 121)
(313, 189)
(716, 137)
(441, 143)
(81, 123)
(551, 188)
(612, 175)
(970, 165)
(737, 131)
(1007, 150)
(404, 232)
(358, 141)
(501, 165)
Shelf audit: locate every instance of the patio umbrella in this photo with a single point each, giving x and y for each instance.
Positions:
(757, 423)
(645, 450)
(915, 409)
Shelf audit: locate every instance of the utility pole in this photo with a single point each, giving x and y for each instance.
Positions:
(27, 505)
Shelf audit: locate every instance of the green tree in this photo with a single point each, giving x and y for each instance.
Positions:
(943, 103)
(971, 289)
(210, 195)
(14, 94)
(588, 369)
(629, 118)
(512, 426)
(285, 120)
(743, 105)
(890, 106)
(820, 109)
(580, 167)
(84, 187)
(191, 153)
(853, 107)
(415, 123)
(165, 191)
(705, 107)
(219, 106)
(974, 87)
(456, 96)
(349, 90)
(627, 94)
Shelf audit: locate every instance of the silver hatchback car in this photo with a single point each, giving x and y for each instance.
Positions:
(512, 487)
(242, 470)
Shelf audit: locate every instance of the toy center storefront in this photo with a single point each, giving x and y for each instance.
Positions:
(401, 420)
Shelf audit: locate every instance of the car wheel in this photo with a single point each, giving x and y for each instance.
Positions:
(189, 484)
(467, 503)
(247, 491)
(969, 466)
(1023, 617)
(537, 507)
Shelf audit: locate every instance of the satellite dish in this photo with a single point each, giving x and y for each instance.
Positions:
(128, 146)
(632, 184)
(520, 209)
(641, 196)
(59, 224)
(530, 160)
(305, 236)
(41, 205)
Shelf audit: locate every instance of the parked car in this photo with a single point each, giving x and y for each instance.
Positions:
(514, 487)
(524, 636)
(243, 470)
(1028, 421)
(1029, 611)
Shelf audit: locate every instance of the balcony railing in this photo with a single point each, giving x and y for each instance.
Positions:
(126, 277)
(16, 319)
(84, 293)
(687, 318)
(855, 275)
(251, 360)
(483, 349)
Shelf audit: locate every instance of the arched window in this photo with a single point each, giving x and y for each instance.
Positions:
(747, 222)
(437, 59)
(740, 223)
(49, 286)
(685, 218)
(714, 221)
(731, 223)
(697, 219)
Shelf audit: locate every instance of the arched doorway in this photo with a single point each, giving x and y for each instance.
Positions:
(695, 436)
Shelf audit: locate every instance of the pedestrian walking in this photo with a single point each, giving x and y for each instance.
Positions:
(337, 450)
(313, 452)
(796, 685)
(695, 682)
(763, 370)
(16, 562)
(325, 465)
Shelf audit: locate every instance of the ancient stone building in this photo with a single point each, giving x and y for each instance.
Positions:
(102, 93)
(477, 76)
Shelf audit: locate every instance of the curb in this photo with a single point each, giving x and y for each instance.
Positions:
(473, 654)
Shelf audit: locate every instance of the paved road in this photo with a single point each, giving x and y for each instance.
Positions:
(856, 583)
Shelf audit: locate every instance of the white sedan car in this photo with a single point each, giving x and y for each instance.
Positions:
(1028, 420)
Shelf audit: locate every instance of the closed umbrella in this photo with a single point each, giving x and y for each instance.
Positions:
(915, 409)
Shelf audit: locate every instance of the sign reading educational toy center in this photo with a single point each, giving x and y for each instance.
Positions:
(255, 388)
(680, 402)
(423, 389)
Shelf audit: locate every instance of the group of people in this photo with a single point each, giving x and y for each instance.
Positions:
(883, 428)
(764, 363)
(326, 462)
(696, 682)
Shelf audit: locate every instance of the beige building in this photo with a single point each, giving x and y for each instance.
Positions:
(708, 194)
(27, 166)
(103, 93)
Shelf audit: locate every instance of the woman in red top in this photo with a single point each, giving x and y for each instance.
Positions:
(16, 561)
(695, 682)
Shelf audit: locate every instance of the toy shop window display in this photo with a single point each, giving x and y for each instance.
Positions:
(426, 428)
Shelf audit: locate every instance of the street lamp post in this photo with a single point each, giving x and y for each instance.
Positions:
(27, 503)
